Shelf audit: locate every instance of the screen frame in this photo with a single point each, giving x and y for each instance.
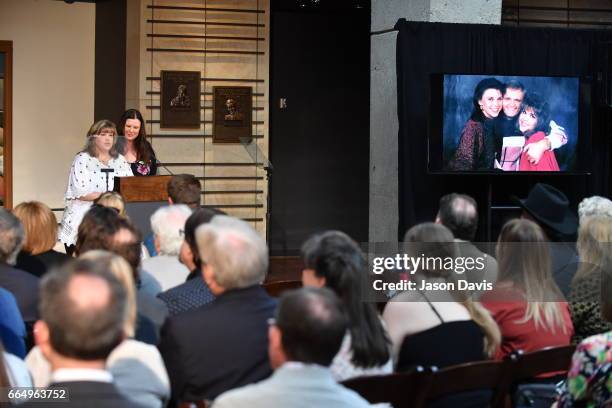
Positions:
(435, 136)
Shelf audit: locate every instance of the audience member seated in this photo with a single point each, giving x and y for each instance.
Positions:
(590, 375)
(98, 214)
(103, 228)
(307, 333)
(13, 371)
(335, 261)
(592, 206)
(594, 245)
(526, 302)
(137, 368)
(437, 328)
(12, 328)
(83, 313)
(459, 213)
(168, 225)
(182, 189)
(22, 285)
(40, 225)
(549, 208)
(223, 344)
(195, 292)
(111, 199)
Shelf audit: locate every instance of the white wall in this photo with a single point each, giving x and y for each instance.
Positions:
(53, 91)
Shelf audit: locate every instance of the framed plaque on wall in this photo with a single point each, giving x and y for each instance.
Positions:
(180, 99)
(232, 114)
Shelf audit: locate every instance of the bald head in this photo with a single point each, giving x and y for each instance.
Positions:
(459, 213)
(88, 293)
(84, 308)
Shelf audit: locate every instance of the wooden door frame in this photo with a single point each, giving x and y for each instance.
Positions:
(6, 47)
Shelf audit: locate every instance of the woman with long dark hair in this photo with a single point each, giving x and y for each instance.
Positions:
(334, 260)
(476, 149)
(533, 123)
(133, 144)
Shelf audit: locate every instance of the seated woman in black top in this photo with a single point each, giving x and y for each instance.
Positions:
(40, 227)
(133, 145)
(437, 328)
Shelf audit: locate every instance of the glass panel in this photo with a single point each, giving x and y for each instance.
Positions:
(2, 97)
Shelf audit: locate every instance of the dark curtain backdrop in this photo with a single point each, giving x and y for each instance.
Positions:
(427, 48)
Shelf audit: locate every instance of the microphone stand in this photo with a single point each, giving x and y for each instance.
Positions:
(255, 153)
(107, 172)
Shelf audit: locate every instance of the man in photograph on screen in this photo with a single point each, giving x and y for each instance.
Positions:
(507, 125)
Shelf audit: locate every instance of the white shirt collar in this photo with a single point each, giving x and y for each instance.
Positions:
(81, 374)
(293, 365)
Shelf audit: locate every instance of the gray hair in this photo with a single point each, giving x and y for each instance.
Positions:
(594, 205)
(168, 224)
(236, 252)
(11, 237)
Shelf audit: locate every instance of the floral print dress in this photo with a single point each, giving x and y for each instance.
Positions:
(589, 383)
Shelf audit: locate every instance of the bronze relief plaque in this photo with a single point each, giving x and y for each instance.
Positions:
(180, 99)
(232, 114)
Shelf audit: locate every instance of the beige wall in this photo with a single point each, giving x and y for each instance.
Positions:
(190, 150)
(53, 91)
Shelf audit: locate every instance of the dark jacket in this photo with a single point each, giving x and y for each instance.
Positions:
(24, 287)
(219, 346)
(90, 394)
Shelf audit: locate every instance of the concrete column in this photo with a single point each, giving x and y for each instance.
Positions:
(383, 94)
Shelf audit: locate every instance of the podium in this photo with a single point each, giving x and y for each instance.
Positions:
(143, 196)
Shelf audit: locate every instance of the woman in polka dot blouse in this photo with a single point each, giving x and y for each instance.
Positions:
(86, 181)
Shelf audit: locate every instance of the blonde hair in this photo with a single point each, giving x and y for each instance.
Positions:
(112, 199)
(594, 239)
(437, 240)
(39, 225)
(523, 257)
(119, 267)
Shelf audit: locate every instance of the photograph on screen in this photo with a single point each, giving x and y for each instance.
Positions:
(510, 123)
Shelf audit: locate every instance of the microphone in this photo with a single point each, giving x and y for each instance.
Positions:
(164, 167)
(107, 172)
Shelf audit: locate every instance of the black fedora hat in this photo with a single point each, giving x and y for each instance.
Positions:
(549, 206)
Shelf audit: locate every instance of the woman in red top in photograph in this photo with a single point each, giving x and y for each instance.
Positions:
(533, 122)
(526, 303)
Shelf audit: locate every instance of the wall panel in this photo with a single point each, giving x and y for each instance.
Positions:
(190, 36)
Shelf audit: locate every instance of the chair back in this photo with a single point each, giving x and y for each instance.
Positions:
(401, 390)
(489, 379)
(547, 360)
(198, 404)
(275, 289)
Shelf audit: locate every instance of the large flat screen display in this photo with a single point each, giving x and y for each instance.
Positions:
(495, 123)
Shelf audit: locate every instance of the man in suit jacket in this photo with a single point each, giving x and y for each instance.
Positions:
(306, 335)
(83, 312)
(223, 344)
(23, 285)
